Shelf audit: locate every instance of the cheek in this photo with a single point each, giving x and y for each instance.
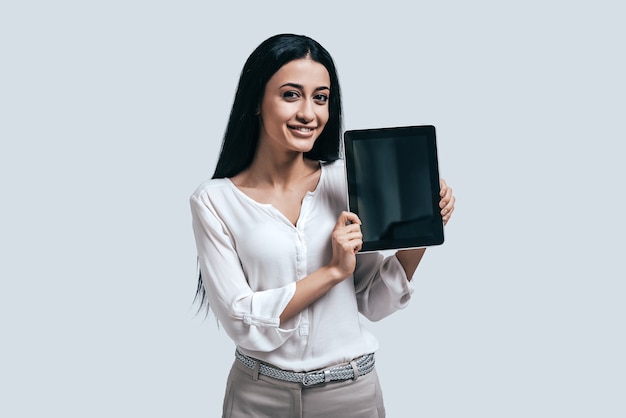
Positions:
(273, 113)
(324, 116)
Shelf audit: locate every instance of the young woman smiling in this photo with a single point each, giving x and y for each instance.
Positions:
(278, 252)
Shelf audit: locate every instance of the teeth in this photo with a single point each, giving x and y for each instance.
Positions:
(301, 128)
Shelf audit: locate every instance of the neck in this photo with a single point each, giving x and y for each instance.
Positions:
(280, 170)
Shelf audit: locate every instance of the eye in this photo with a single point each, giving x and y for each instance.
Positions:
(291, 95)
(321, 98)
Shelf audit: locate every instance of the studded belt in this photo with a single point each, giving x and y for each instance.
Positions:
(357, 367)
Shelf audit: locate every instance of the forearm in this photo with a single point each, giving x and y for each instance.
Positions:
(310, 289)
(346, 240)
(410, 259)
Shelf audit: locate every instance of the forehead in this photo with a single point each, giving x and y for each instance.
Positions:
(305, 72)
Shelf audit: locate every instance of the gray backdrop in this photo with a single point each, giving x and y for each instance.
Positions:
(111, 113)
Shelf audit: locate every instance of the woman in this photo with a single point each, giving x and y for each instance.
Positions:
(277, 249)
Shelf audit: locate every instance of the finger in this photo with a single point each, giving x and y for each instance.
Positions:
(443, 187)
(446, 213)
(448, 207)
(451, 203)
(354, 235)
(351, 228)
(447, 203)
(446, 198)
(347, 218)
(347, 238)
(353, 243)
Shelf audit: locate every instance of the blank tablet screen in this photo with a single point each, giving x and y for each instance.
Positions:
(393, 186)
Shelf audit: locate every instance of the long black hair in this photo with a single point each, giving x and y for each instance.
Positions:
(242, 132)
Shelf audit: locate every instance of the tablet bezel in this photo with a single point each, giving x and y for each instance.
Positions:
(418, 132)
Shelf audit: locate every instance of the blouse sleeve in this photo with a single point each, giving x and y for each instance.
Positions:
(381, 285)
(251, 319)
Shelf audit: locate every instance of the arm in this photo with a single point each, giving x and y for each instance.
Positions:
(410, 259)
(346, 242)
(262, 320)
(251, 319)
(384, 285)
(381, 285)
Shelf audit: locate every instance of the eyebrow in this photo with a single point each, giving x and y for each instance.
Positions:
(301, 87)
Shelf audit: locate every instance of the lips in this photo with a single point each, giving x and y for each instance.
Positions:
(303, 129)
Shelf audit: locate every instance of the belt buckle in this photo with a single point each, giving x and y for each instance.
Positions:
(305, 378)
(310, 375)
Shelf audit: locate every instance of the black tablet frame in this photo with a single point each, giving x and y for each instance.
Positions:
(428, 230)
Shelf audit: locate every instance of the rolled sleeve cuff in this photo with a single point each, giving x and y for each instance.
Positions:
(394, 276)
(262, 330)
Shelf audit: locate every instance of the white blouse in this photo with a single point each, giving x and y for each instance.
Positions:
(250, 256)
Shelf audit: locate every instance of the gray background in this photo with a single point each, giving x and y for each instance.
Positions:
(111, 113)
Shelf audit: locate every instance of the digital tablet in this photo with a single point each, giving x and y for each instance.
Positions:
(393, 186)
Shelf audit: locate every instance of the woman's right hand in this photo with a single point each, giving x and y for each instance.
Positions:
(347, 240)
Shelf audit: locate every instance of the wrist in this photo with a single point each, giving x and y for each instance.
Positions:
(335, 274)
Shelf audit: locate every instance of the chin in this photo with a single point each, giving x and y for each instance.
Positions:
(306, 149)
(302, 145)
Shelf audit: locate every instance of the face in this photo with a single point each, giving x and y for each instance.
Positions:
(295, 105)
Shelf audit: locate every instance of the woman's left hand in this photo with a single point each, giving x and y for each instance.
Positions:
(447, 201)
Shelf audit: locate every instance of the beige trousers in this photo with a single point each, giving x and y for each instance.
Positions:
(260, 396)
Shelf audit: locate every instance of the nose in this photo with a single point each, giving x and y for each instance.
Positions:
(305, 112)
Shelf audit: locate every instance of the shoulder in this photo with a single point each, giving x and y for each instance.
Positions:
(334, 180)
(334, 169)
(211, 189)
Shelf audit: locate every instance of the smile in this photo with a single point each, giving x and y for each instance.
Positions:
(302, 129)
